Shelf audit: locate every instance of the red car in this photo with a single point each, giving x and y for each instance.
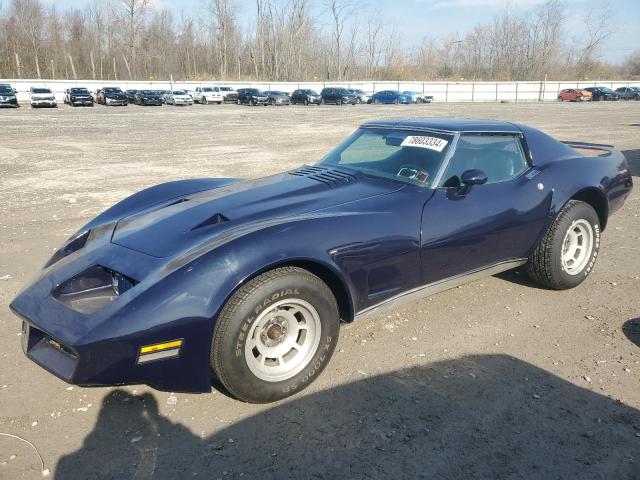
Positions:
(574, 95)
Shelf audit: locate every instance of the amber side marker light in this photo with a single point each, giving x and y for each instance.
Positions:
(159, 351)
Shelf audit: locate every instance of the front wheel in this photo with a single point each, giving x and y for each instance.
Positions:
(567, 253)
(275, 335)
(204, 100)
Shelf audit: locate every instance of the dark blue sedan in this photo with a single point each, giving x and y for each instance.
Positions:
(390, 97)
(251, 279)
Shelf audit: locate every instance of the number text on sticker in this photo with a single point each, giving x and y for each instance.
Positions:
(431, 143)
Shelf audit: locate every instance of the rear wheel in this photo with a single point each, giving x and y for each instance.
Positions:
(275, 335)
(567, 253)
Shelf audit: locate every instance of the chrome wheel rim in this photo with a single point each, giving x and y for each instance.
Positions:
(282, 340)
(577, 247)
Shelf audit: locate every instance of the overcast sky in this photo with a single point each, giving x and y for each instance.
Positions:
(415, 19)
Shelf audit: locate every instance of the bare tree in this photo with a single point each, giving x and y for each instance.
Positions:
(599, 26)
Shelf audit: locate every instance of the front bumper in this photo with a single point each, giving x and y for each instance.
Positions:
(179, 101)
(104, 348)
(115, 102)
(82, 101)
(44, 103)
(13, 102)
(154, 102)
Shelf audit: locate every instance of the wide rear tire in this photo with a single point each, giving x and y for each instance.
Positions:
(275, 335)
(567, 253)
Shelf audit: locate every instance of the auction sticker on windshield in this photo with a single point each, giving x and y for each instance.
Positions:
(431, 143)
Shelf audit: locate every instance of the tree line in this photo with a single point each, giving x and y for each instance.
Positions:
(292, 40)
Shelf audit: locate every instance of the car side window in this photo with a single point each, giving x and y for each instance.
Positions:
(501, 157)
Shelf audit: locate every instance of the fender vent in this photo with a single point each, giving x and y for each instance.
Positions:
(212, 220)
(328, 176)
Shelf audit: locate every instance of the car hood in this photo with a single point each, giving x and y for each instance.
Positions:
(248, 205)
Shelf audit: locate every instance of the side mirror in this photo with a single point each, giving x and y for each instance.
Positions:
(473, 177)
(469, 178)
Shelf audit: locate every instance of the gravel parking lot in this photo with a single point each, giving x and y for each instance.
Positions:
(495, 379)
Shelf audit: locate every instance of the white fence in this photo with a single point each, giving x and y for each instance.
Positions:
(441, 91)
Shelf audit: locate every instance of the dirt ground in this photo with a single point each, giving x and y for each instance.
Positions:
(496, 379)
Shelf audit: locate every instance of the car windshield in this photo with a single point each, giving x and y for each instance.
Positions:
(148, 92)
(310, 92)
(40, 90)
(207, 89)
(5, 91)
(111, 90)
(605, 89)
(343, 91)
(79, 90)
(404, 155)
(276, 93)
(254, 91)
(226, 89)
(179, 92)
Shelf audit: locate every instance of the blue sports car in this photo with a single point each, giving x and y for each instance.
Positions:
(390, 97)
(250, 279)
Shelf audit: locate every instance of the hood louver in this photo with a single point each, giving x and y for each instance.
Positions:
(328, 176)
(212, 220)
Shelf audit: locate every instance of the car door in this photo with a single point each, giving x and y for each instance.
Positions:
(466, 229)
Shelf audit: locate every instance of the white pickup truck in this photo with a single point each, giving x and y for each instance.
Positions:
(205, 95)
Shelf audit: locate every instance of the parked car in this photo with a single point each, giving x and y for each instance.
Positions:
(131, 95)
(251, 278)
(178, 97)
(337, 96)
(574, 95)
(229, 94)
(602, 93)
(113, 96)
(205, 95)
(277, 98)
(305, 96)
(629, 93)
(361, 96)
(148, 97)
(418, 97)
(390, 96)
(8, 97)
(77, 96)
(42, 97)
(252, 96)
(163, 94)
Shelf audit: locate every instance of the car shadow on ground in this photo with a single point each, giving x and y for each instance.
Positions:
(519, 277)
(633, 158)
(631, 329)
(485, 416)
